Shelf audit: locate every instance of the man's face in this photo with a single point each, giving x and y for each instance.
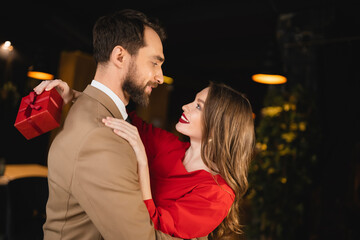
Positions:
(145, 71)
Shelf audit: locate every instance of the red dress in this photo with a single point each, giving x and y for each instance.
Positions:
(185, 204)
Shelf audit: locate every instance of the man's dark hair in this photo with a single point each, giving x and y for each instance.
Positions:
(124, 28)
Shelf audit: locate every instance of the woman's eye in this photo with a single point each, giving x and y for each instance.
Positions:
(198, 106)
(155, 64)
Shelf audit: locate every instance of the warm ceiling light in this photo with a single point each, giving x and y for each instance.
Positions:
(168, 80)
(269, 78)
(40, 75)
(7, 46)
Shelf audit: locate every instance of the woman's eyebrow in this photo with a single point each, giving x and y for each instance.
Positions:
(200, 100)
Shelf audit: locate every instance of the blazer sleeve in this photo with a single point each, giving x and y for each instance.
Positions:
(196, 214)
(106, 185)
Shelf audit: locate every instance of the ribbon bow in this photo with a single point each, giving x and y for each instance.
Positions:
(31, 104)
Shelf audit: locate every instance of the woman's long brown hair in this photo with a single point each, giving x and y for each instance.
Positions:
(228, 146)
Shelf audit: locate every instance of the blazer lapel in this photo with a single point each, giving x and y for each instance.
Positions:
(104, 99)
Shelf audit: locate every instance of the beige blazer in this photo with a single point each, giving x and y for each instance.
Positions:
(94, 191)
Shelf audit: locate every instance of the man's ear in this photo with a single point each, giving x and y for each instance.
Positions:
(119, 56)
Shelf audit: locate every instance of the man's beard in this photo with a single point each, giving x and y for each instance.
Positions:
(136, 92)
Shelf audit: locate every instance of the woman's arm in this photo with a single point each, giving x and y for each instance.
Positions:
(62, 87)
(131, 134)
(195, 214)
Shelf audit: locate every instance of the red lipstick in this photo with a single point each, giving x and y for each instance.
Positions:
(183, 119)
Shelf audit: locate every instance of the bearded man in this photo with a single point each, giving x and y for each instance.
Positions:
(94, 192)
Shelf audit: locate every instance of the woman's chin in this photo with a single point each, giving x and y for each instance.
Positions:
(178, 127)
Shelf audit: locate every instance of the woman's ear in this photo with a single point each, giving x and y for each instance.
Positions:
(119, 56)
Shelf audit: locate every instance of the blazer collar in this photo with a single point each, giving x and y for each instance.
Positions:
(104, 99)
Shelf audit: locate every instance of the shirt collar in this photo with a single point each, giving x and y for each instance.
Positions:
(120, 105)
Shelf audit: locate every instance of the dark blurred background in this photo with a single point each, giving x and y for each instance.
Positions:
(316, 44)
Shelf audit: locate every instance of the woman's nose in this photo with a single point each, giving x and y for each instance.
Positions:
(185, 107)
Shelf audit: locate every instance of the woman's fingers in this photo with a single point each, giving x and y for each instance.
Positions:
(124, 129)
(129, 133)
(114, 123)
(41, 87)
(47, 85)
(59, 84)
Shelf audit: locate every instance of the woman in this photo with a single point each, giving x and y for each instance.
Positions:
(191, 188)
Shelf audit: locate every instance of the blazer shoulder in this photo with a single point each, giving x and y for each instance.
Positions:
(102, 98)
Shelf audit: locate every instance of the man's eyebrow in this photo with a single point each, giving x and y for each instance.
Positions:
(160, 59)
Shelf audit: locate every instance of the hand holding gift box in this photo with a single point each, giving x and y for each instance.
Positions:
(39, 114)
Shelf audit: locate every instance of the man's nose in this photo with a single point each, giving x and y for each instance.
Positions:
(159, 77)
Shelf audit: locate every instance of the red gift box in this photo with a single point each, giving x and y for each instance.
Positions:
(39, 114)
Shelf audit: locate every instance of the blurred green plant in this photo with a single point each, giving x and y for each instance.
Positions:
(9, 96)
(281, 174)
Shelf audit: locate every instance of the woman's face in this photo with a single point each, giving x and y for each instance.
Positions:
(191, 121)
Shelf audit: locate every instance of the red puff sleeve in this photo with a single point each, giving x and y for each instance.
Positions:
(195, 215)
